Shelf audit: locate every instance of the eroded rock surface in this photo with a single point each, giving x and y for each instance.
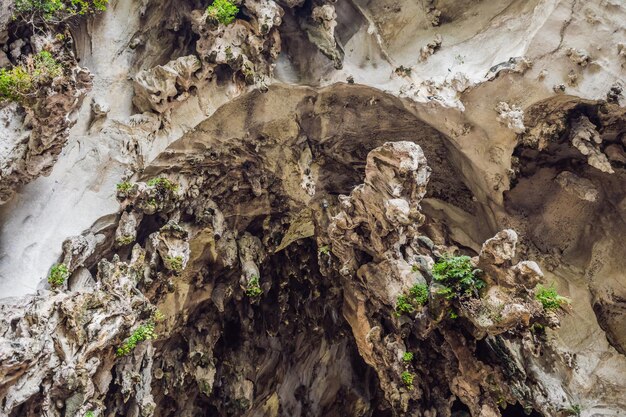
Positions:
(247, 218)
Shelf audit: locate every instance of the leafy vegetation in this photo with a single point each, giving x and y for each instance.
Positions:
(403, 305)
(22, 80)
(254, 288)
(224, 11)
(407, 356)
(458, 276)
(407, 378)
(163, 184)
(58, 10)
(124, 240)
(574, 410)
(124, 187)
(175, 263)
(324, 250)
(90, 414)
(549, 298)
(58, 275)
(419, 294)
(142, 333)
(417, 297)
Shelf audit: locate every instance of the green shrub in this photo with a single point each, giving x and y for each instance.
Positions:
(58, 9)
(407, 356)
(419, 294)
(254, 288)
(407, 378)
(124, 240)
(163, 184)
(549, 298)
(418, 297)
(458, 276)
(22, 80)
(403, 305)
(324, 250)
(224, 11)
(124, 187)
(175, 263)
(142, 333)
(90, 414)
(58, 275)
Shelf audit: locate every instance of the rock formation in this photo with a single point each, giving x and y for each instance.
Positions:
(312, 208)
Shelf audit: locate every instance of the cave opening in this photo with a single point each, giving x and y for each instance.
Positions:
(459, 409)
(516, 410)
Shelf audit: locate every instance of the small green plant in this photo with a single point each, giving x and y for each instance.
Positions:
(253, 288)
(407, 378)
(163, 184)
(57, 10)
(574, 410)
(458, 276)
(549, 298)
(23, 80)
(324, 250)
(58, 275)
(175, 263)
(419, 294)
(453, 315)
(407, 356)
(224, 11)
(417, 297)
(90, 414)
(124, 240)
(404, 306)
(124, 187)
(141, 333)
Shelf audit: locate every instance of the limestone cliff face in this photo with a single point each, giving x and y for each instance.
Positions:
(244, 219)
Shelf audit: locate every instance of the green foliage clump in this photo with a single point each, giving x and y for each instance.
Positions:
(419, 294)
(58, 275)
(458, 276)
(124, 240)
(163, 184)
(418, 297)
(254, 288)
(407, 356)
(58, 10)
(224, 11)
(324, 250)
(574, 410)
(142, 333)
(407, 378)
(175, 263)
(403, 305)
(124, 187)
(22, 80)
(549, 298)
(90, 414)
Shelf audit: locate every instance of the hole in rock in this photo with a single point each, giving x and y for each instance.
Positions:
(459, 409)
(516, 410)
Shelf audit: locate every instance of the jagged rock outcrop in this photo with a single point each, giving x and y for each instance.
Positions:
(297, 240)
(36, 129)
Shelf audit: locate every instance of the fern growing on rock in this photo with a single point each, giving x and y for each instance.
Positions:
(550, 299)
(224, 11)
(458, 277)
(142, 333)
